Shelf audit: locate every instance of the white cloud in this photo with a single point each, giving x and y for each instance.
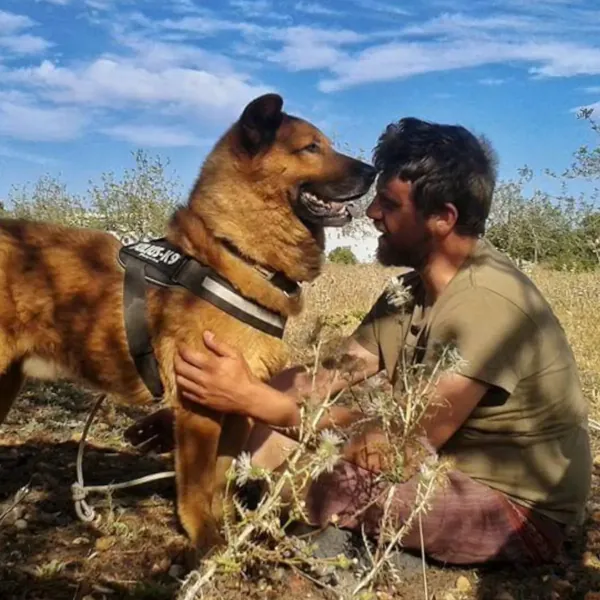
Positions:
(380, 7)
(312, 8)
(492, 81)
(401, 60)
(14, 40)
(307, 48)
(154, 136)
(40, 124)
(303, 55)
(99, 4)
(251, 8)
(459, 24)
(11, 22)
(24, 44)
(113, 83)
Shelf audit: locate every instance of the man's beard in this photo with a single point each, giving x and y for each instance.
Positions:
(414, 257)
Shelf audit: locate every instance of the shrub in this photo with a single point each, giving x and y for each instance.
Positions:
(343, 256)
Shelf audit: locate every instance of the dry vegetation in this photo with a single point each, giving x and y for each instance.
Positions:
(136, 550)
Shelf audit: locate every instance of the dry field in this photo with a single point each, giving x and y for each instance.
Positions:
(136, 550)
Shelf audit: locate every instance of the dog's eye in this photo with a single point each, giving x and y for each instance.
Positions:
(312, 148)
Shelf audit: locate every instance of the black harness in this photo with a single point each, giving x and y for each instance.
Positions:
(160, 263)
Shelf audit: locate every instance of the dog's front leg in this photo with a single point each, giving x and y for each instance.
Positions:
(197, 432)
(234, 435)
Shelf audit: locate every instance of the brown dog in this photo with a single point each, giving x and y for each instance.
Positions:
(255, 216)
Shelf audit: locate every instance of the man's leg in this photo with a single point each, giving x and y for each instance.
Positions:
(467, 523)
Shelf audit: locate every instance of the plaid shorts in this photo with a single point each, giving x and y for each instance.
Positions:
(467, 522)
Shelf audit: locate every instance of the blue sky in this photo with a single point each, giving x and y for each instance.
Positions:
(85, 82)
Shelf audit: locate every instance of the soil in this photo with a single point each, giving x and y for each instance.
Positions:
(137, 549)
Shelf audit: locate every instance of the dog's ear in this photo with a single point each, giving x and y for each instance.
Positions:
(260, 121)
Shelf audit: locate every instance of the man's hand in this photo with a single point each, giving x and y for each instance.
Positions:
(219, 379)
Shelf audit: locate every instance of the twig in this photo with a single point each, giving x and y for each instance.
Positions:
(19, 496)
(397, 537)
(423, 557)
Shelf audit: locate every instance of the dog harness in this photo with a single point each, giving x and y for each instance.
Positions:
(160, 263)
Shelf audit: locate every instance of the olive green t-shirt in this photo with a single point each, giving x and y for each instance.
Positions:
(528, 436)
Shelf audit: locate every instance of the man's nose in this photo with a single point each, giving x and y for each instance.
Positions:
(373, 211)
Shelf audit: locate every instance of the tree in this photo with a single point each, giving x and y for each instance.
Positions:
(343, 255)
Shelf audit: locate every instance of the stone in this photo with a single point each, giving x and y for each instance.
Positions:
(463, 585)
(176, 571)
(21, 524)
(104, 543)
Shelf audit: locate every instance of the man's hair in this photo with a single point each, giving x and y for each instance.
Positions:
(444, 163)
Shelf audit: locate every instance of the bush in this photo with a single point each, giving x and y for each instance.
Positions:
(135, 205)
(343, 256)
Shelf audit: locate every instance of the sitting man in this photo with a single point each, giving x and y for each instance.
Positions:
(514, 419)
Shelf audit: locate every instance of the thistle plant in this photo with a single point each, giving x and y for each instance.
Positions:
(258, 536)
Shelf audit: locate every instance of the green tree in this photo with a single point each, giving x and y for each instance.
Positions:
(343, 255)
(138, 204)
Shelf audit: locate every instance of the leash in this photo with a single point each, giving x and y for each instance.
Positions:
(79, 490)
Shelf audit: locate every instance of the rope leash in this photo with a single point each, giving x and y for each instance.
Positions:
(79, 491)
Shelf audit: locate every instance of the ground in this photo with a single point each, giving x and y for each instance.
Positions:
(137, 549)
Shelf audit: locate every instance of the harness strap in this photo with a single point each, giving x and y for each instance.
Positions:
(203, 282)
(160, 263)
(136, 327)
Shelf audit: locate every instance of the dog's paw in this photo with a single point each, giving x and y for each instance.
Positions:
(208, 540)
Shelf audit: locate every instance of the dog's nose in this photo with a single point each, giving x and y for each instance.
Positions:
(365, 171)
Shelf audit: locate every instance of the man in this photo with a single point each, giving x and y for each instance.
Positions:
(514, 419)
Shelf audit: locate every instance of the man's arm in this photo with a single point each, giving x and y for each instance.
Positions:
(355, 364)
(275, 403)
(456, 396)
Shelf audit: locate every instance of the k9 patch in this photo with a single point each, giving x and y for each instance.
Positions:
(159, 253)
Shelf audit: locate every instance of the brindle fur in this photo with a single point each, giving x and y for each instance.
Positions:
(61, 290)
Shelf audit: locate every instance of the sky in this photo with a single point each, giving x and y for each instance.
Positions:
(84, 83)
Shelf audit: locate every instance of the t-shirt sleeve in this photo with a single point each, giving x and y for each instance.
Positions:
(367, 332)
(378, 332)
(494, 338)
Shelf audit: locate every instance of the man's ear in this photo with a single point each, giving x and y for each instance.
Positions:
(260, 121)
(445, 220)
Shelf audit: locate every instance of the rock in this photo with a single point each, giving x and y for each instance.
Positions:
(161, 566)
(590, 560)
(18, 512)
(504, 596)
(79, 541)
(104, 543)
(21, 524)
(463, 585)
(562, 587)
(176, 571)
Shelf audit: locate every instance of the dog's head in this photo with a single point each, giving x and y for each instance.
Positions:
(272, 183)
(298, 160)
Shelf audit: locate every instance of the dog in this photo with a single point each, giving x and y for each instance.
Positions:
(254, 220)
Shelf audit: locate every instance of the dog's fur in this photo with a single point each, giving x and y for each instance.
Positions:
(61, 289)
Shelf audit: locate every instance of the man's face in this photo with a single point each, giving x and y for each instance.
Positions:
(405, 241)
